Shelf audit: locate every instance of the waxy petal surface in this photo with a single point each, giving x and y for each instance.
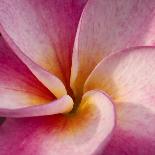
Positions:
(62, 105)
(43, 30)
(85, 132)
(108, 26)
(129, 78)
(54, 84)
(18, 86)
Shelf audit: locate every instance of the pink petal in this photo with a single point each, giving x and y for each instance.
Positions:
(108, 26)
(18, 86)
(51, 82)
(22, 95)
(85, 132)
(135, 132)
(129, 78)
(43, 30)
(62, 105)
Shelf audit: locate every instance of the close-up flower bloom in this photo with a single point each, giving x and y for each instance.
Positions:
(77, 77)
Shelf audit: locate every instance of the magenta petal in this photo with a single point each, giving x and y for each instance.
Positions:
(85, 132)
(43, 30)
(54, 84)
(21, 94)
(138, 141)
(18, 86)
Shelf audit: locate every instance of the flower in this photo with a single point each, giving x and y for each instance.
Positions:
(77, 77)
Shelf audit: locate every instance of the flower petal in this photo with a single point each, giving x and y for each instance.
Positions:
(129, 77)
(62, 105)
(18, 86)
(108, 26)
(135, 132)
(51, 82)
(43, 30)
(84, 132)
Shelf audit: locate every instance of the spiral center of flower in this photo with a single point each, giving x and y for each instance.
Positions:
(76, 99)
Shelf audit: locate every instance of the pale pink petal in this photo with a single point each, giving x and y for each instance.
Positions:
(108, 26)
(62, 105)
(43, 30)
(129, 78)
(18, 86)
(85, 132)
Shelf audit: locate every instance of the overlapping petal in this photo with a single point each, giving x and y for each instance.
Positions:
(53, 83)
(43, 30)
(108, 26)
(129, 77)
(18, 86)
(59, 106)
(22, 94)
(85, 132)
(42, 33)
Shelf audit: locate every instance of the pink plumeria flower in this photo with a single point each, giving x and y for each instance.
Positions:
(77, 77)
